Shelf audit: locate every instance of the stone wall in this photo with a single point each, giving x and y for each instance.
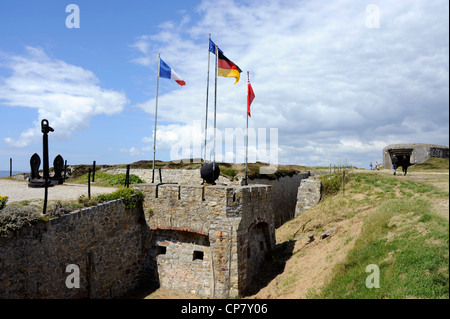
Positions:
(206, 239)
(106, 242)
(179, 176)
(284, 192)
(284, 189)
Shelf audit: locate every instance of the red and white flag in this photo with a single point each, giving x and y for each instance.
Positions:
(250, 96)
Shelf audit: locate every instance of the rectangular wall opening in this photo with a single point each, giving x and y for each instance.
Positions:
(161, 250)
(197, 255)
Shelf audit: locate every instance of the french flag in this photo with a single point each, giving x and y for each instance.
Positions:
(166, 72)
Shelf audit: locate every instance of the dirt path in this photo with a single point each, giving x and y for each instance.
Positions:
(19, 191)
(439, 180)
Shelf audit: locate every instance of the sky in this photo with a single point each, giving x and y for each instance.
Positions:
(335, 81)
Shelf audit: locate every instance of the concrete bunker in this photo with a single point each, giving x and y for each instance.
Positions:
(403, 155)
(413, 153)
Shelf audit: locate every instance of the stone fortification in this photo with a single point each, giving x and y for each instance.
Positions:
(284, 191)
(416, 153)
(179, 176)
(105, 242)
(207, 240)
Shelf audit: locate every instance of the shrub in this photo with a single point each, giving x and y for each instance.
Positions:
(86, 201)
(125, 194)
(332, 183)
(229, 172)
(13, 218)
(3, 201)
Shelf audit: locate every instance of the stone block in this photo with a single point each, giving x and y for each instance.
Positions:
(309, 195)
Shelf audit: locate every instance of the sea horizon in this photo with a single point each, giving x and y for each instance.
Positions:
(6, 173)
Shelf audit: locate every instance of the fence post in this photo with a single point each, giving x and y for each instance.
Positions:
(93, 172)
(127, 177)
(89, 184)
(343, 183)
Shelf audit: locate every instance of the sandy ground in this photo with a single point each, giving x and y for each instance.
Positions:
(19, 190)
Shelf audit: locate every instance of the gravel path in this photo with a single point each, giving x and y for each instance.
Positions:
(19, 190)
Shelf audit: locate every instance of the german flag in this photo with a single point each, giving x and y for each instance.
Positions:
(227, 68)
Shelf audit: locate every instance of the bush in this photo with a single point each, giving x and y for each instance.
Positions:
(3, 201)
(124, 193)
(231, 173)
(332, 183)
(13, 218)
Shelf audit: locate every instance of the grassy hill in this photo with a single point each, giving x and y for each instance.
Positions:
(398, 223)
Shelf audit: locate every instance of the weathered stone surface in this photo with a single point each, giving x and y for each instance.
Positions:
(179, 176)
(284, 189)
(327, 233)
(284, 194)
(309, 194)
(104, 241)
(210, 240)
(230, 227)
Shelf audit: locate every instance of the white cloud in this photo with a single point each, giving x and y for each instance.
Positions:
(335, 88)
(67, 96)
(133, 151)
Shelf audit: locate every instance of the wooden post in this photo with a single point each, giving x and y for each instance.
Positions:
(343, 183)
(127, 177)
(93, 172)
(89, 184)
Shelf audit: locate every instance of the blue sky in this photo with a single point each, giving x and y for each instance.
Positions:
(338, 80)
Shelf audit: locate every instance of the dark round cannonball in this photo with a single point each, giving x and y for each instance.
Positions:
(208, 174)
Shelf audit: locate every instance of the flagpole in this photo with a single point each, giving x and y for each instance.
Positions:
(215, 108)
(207, 97)
(156, 117)
(246, 138)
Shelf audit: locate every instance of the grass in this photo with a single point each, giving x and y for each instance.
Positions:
(401, 234)
(106, 180)
(409, 244)
(433, 163)
(126, 194)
